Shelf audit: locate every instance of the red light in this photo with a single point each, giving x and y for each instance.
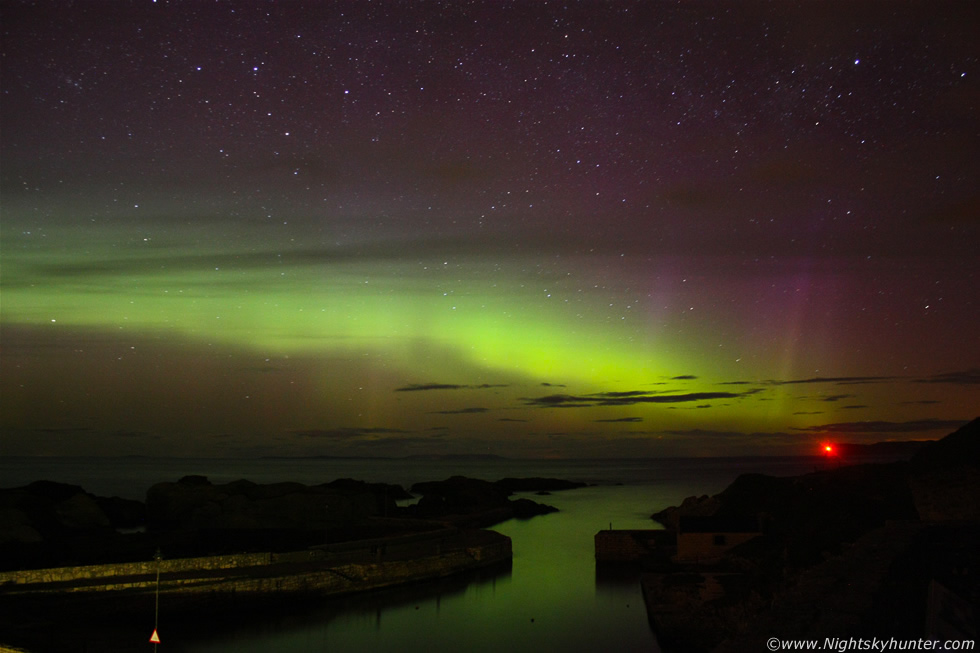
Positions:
(828, 449)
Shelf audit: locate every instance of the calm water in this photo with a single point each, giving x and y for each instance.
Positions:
(550, 599)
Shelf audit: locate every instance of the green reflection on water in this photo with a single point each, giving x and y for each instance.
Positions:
(549, 600)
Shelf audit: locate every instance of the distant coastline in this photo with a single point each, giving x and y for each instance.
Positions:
(889, 448)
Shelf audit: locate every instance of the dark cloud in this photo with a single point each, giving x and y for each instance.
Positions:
(836, 397)
(554, 385)
(347, 433)
(683, 377)
(62, 431)
(753, 391)
(921, 402)
(417, 387)
(965, 377)
(669, 399)
(886, 427)
(461, 411)
(623, 399)
(511, 419)
(559, 401)
(853, 406)
(622, 419)
(621, 395)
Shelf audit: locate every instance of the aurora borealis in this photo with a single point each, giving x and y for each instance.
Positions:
(515, 228)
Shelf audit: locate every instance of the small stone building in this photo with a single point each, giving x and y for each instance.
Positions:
(704, 539)
(617, 546)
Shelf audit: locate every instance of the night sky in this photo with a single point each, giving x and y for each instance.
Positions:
(560, 229)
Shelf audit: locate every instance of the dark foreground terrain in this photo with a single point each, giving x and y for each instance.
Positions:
(74, 562)
(875, 550)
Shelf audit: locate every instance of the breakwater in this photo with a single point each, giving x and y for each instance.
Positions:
(325, 571)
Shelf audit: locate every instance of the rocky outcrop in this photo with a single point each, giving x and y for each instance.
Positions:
(958, 449)
(945, 477)
(46, 522)
(808, 517)
(193, 503)
(471, 502)
(50, 524)
(382, 491)
(702, 506)
(55, 509)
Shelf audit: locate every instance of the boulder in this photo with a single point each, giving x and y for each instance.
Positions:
(81, 511)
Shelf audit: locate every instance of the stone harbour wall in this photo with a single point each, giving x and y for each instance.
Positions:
(325, 571)
(88, 572)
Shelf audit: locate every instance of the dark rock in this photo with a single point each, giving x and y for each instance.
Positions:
(945, 476)
(16, 526)
(123, 513)
(389, 490)
(471, 502)
(56, 524)
(958, 449)
(460, 494)
(244, 505)
(81, 511)
(52, 491)
(703, 506)
(49, 510)
(525, 508)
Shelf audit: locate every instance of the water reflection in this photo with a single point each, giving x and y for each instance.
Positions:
(547, 599)
(342, 622)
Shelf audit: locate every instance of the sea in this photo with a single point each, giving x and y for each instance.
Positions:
(551, 598)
